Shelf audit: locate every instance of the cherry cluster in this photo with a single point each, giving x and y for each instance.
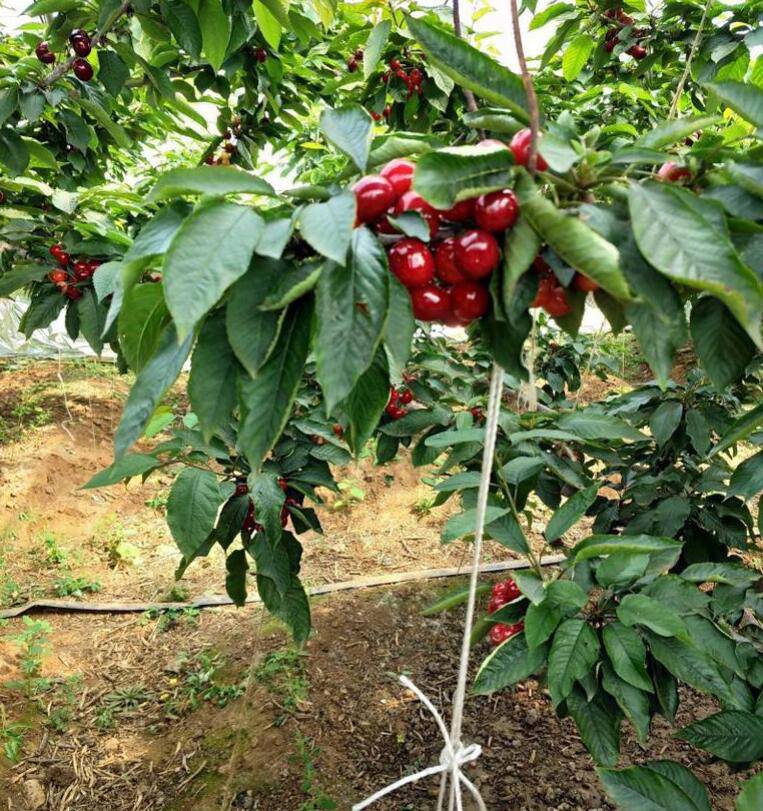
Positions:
(551, 296)
(250, 524)
(81, 44)
(413, 78)
(398, 398)
(620, 20)
(70, 273)
(353, 63)
(502, 593)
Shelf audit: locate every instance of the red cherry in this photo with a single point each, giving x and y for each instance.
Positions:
(541, 265)
(72, 292)
(83, 70)
(460, 211)
(285, 515)
(395, 411)
(63, 258)
(511, 590)
(584, 284)
(610, 45)
(412, 262)
(496, 211)
(406, 397)
(469, 300)
(517, 627)
(411, 201)
(82, 45)
(477, 253)
(283, 484)
(623, 18)
(56, 250)
(359, 54)
(416, 77)
(374, 195)
(338, 430)
(401, 74)
(387, 111)
(399, 172)
(430, 303)
(261, 55)
(94, 265)
(446, 268)
(499, 633)
(495, 604)
(58, 276)
(672, 172)
(352, 64)
(557, 304)
(520, 146)
(395, 64)
(477, 415)
(637, 51)
(242, 489)
(44, 54)
(82, 270)
(394, 394)
(383, 225)
(375, 116)
(490, 143)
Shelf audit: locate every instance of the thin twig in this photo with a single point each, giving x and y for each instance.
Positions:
(471, 102)
(687, 69)
(532, 98)
(97, 39)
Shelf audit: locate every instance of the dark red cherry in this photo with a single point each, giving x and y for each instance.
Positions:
(399, 172)
(412, 262)
(477, 253)
(430, 303)
(497, 210)
(374, 195)
(446, 267)
(469, 300)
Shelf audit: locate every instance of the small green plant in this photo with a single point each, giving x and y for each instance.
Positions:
(12, 736)
(33, 644)
(424, 505)
(157, 502)
(69, 586)
(53, 554)
(29, 412)
(111, 539)
(202, 681)
(350, 495)
(283, 673)
(317, 799)
(61, 709)
(173, 617)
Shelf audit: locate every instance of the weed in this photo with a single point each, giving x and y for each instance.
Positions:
(158, 502)
(424, 504)
(28, 413)
(69, 586)
(283, 673)
(202, 681)
(173, 617)
(33, 644)
(110, 535)
(12, 736)
(61, 709)
(317, 799)
(351, 494)
(53, 554)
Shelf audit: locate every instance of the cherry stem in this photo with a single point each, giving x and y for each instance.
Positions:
(471, 102)
(97, 38)
(532, 99)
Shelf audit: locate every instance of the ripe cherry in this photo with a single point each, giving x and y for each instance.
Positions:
(58, 276)
(430, 303)
(359, 54)
(507, 589)
(477, 414)
(584, 284)
(374, 195)
(261, 55)
(56, 250)
(610, 44)
(477, 253)
(81, 45)
(82, 270)
(411, 201)
(446, 267)
(63, 258)
(72, 292)
(242, 489)
(352, 64)
(383, 225)
(394, 394)
(395, 64)
(497, 210)
(399, 172)
(83, 70)
(395, 411)
(460, 211)
(412, 262)
(282, 483)
(406, 396)
(520, 146)
(94, 265)
(672, 172)
(495, 604)
(387, 111)
(557, 304)
(469, 300)
(44, 54)
(416, 77)
(499, 633)
(338, 430)
(285, 515)
(637, 51)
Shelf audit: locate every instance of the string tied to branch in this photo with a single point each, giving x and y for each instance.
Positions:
(453, 757)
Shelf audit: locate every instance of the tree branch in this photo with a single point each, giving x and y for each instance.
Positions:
(532, 98)
(97, 39)
(471, 102)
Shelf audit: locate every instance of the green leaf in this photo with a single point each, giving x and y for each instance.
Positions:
(670, 132)
(352, 304)
(252, 332)
(366, 402)
(470, 68)
(592, 424)
(211, 249)
(627, 654)
(130, 465)
(551, 13)
(722, 345)
(446, 176)
(14, 152)
(349, 130)
(215, 31)
(751, 796)
(328, 226)
(212, 382)
(463, 524)
(732, 735)
(521, 247)
(268, 398)
(117, 132)
(184, 24)
(730, 574)
(570, 512)
(192, 506)
(268, 24)
(50, 7)
(660, 785)
(665, 420)
(42, 311)
(679, 235)
(295, 282)
(272, 561)
(598, 725)
(19, 277)
(400, 326)
(633, 703)
(112, 71)
(574, 653)
(740, 429)
(580, 246)
(92, 317)
(510, 663)
(747, 480)
(412, 224)
(638, 609)
(9, 99)
(746, 99)
(576, 55)
(150, 385)
(540, 622)
(521, 468)
(211, 180)
(236, 567)
(142, 319)
(377, 39)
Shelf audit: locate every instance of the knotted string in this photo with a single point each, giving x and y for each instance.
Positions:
(454, 755)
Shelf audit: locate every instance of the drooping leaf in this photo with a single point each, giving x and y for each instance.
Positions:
(638, 609)
(574, 652)
(130, 465)
(570, 512)
(349, 130)
(732, 735)
(210, 180)
(627, 654)
(328, 226)
(576, 55)
(598, 724)
(142, 319)
(743, 98)
(377, 39)
(215, 31)
(660, 785)
(192, 506)
(509, 663)
(665, 420)
(367, 401)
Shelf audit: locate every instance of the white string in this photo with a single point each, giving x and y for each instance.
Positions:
(455, 755)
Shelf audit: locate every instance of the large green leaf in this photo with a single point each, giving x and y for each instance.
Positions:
(638, 609)
(670, 132)
(349, 130)
(445, 176)
(521, 247)
(576, 55)
(633, 703)
(215, 31)
(665, 420)
(150, 385)
(377, 39)
(142, 319)
(723, 347)
(660, 785)
(541, 621)
(730, 574)
(19, 277)
(130, 465)
(627, 654)
(680, 235)
(367, 401)
(509, 663)
(212, 382)
(268, 399)
(591, 423)
(211, 249)
(570, 512)
(328, 226)
(744, 98)
(574, 653)
(598, 724)
(751, 796)
(747, 480)
(732, 735)
(470, 68)
(192, 506)
(352, 306)
(740, 429)
(210, 180)
(184, 24)
(400, 326)
(579, 245)
(268, 23)
(295, 281)
(92, 316)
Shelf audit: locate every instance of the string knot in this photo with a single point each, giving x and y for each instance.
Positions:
(459, 755)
